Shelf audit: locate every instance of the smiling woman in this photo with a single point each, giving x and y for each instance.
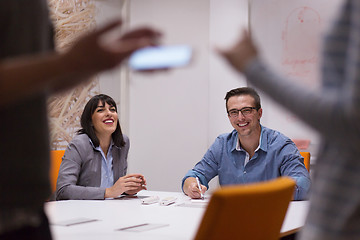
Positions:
(95, 162)
(105, 122)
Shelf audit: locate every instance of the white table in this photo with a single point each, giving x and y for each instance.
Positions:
(181, 222)
(295, 217)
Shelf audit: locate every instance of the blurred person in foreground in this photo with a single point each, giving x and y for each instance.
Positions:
(30, 70)
(334, 111)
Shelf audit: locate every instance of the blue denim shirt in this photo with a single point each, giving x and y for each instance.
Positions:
(276, 156)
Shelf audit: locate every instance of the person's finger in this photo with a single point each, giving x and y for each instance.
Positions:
(245, 33)
(126, 47)
(109, 26)
(142, 32)
(195, 189)
(143, 181)
(196, 194)
(127, 189)
(137, 175)
(129, 177)
(133, 181)
(137, 180)
(131, 186)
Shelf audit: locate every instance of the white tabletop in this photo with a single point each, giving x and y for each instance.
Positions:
(177, 221)
(295, 217)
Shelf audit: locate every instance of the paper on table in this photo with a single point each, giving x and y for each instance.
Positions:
(189, 204)
(129, 197)
(205, 200)
(74, 221)
(142, 227)
(196, 203)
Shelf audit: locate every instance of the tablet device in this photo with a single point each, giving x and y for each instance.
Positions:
(160, 57)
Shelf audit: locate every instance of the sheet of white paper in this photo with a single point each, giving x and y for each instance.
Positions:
(205, 200)
(74, 221)
(142, 227)
(192, 205)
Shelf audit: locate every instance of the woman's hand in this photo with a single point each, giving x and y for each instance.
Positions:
(129, 184)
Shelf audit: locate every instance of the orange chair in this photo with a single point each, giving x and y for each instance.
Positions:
(252, 211)
(306, 156)
(56, 158)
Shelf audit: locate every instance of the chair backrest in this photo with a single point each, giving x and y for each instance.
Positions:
(56, 158)
(252, 212)
(306, 156)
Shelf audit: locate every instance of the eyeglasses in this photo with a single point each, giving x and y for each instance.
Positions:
(246, 111)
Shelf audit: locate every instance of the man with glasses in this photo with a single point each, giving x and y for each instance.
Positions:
(250, 153)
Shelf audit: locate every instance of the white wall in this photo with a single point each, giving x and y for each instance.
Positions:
(176, 115)
(168, 118)
(110, 83)
(226, 23)
(289, 34)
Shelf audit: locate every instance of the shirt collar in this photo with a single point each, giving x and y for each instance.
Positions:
(98, 147)
(262, 144)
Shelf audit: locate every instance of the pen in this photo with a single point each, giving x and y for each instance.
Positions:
(135, 226)
(199, 186)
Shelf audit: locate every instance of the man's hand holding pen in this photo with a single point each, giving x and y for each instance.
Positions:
(194, 189)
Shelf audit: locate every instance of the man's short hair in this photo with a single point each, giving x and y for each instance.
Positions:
(244, 91)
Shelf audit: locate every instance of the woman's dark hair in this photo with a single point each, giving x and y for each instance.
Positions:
(86, 120)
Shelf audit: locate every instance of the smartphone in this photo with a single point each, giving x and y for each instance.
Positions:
(161, 57)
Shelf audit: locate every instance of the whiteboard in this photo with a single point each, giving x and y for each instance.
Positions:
(289, 34)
